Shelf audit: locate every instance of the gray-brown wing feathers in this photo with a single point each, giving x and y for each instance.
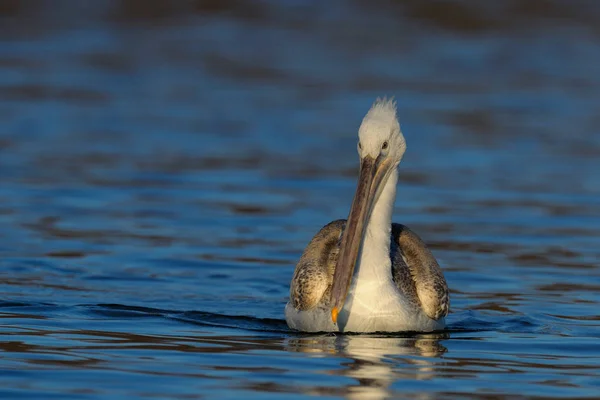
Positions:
(414, 270)
(313, 276)
(417, 273)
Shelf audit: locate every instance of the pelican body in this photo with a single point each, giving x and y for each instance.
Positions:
(367, 274)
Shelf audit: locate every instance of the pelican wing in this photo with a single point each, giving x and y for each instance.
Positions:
(313, 276)
(417, 273)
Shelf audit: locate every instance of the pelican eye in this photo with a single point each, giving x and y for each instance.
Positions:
(359, 146)
(384, 145)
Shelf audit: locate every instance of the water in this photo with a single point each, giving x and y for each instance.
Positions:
(163, 166)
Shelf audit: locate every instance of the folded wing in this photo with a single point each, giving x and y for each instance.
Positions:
(417, 273)
(313, 277)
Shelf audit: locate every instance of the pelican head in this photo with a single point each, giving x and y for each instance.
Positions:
(380, 135)
(381, 146)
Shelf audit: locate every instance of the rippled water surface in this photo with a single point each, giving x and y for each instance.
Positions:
(163, 165)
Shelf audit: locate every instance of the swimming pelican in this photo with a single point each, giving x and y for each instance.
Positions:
(367, 274)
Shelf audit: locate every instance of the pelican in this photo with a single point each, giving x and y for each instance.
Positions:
(367, 274)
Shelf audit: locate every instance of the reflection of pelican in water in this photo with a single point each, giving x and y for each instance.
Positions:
(367, 274)
(375, 362)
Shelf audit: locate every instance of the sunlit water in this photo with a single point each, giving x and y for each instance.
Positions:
(163, 166)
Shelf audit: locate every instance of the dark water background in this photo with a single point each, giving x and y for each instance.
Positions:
(163, 164)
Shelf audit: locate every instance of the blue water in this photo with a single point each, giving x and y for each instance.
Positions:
(163, 165)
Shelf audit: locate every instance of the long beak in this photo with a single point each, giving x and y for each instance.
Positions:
(372, 172)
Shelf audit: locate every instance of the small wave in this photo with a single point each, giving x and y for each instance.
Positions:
(467, 321)
(194, 317)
